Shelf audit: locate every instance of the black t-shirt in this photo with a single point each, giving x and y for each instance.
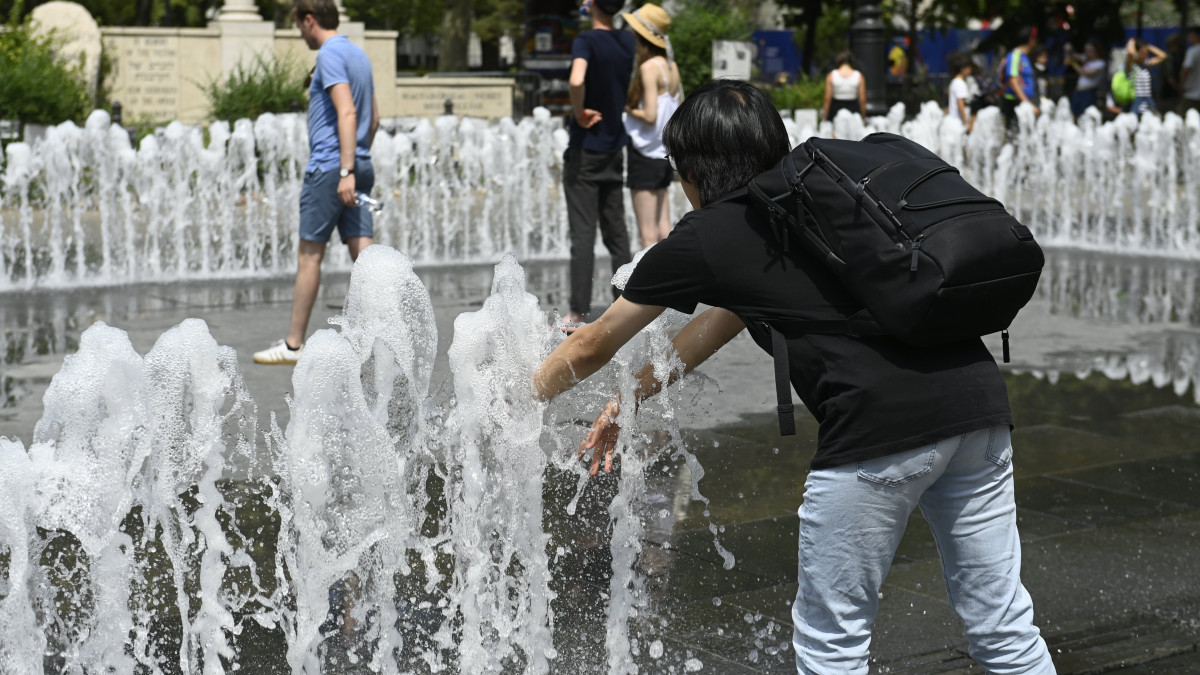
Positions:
(609, 54)
(871, 395)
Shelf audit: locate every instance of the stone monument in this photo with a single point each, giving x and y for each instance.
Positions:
(78, 36)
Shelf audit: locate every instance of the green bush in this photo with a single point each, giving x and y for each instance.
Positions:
(263, 86)
(694, 27)
(37, 85)
(804, 93)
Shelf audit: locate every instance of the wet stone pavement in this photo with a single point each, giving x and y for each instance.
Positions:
(1106, 458)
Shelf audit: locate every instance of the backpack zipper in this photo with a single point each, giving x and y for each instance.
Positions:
(882, 215)
(920, 238)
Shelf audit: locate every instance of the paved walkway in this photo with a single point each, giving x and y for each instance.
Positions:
(1108, 472)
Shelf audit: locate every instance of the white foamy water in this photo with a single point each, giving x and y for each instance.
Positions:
(405, 535)
(83, 207)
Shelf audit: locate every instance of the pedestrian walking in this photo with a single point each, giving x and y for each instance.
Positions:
(343, 116)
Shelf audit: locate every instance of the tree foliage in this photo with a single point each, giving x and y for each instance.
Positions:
(36, 84)
(693, 29)
(413, 17)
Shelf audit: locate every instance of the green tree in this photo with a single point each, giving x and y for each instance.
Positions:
(495, 19)
(454, 36)
(411, 17)
(693, 29)
(29, 61)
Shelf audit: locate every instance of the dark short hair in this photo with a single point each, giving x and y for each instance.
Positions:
(324, 11)
(609, 7)
(956, 61)
(724, 134)
(844, 56)
(1024, 34)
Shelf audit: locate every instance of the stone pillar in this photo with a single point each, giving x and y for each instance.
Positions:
(242, 10)
(244, 34)
(867, 44)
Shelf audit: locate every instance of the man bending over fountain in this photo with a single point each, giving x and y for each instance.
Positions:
(343, 116)
(900, 427)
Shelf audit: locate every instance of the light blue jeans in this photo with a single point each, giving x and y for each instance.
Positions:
(852, 520)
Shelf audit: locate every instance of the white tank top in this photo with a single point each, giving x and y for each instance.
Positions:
(846, 88)
(647, 138)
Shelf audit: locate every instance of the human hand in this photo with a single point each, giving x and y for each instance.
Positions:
(345, 191)
(602, 439)
(588, 118)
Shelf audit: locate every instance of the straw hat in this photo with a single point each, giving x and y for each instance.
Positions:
(651, 22)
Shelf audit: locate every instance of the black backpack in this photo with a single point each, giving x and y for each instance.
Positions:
(931, 259)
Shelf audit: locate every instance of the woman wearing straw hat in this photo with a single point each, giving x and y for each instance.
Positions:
(654, 94)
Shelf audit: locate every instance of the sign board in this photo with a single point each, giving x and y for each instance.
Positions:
(731, 59)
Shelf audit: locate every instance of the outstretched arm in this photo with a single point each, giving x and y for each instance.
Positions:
(590, 347)
(699, 339)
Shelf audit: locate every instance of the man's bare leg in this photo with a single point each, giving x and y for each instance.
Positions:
(304, 296)
(357, 244)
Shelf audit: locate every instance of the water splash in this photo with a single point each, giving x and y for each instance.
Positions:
(82, 207)
(406, 535)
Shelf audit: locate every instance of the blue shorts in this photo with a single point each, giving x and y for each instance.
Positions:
(321, 209)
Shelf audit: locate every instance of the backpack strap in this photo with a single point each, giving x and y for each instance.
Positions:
(783, 384)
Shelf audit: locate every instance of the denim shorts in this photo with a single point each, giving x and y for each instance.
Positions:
(321, 210)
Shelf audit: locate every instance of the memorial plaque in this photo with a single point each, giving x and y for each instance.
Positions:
(147, 78)
(471, 97)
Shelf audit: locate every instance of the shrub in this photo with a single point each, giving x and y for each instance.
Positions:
(804, 93)
(264, 86)
(37, 85)
(694, 27)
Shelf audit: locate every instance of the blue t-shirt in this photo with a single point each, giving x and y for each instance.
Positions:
(338, 60)
(609, 54)
(1022, 67)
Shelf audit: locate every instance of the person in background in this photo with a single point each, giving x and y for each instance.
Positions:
(594, 163)
(960, 92)
(1189, 75)
(1140, 57)
(343, 117)
(1041, 75)
(654, 95)
(1018, 77)
(845, 88)
(1091, 69)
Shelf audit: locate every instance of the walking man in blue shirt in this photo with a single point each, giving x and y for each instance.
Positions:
(343, 116)
(594, 164)
(1018, 77)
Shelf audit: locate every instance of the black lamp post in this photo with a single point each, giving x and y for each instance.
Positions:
(866, 43)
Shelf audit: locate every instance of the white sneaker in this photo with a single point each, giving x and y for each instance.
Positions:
(278, 354)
